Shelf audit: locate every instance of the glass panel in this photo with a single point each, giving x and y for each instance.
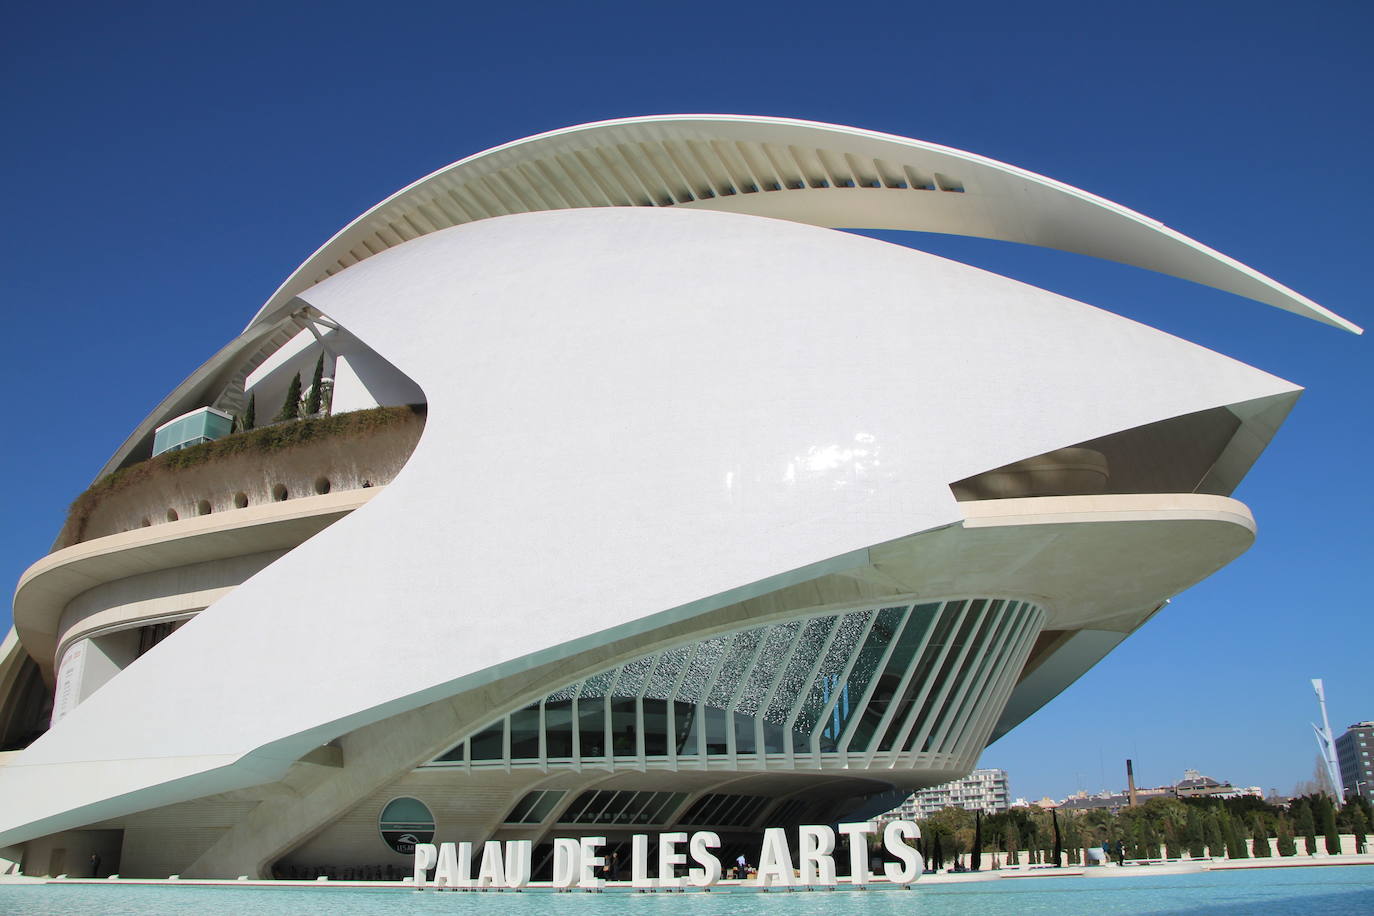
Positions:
(715, 731)
(693, 815)
(655, 728)
(750, 814)
(623, 728)
(595, 805)
(1010, 621)
(684, 724)
(615, 807)
(865, 666)
(633, 676)
(522, 808)
(453, 754)
(726, 811)
(672, 807)
(943, 625)
(403, 812)
(765, 670)
(574, 811)
(524, 734)
(664, 679)
(847, 635)
(798, 670)
(710, 810)
(917, 624)
(745, 739)
(565, 693)
(734, 666)
(978, 654)
(974, 618)
(546, 803)
(598, 684)
(489, 743)
(657, 809)
(635, 811)
(591, 726)
(700, 668)
(558, 728)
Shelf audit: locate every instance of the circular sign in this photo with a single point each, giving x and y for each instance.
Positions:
(406, 822)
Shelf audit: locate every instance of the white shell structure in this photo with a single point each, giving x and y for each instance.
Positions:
(719, 517)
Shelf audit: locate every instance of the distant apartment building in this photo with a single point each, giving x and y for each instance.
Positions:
(981, 790)
(1354, 752)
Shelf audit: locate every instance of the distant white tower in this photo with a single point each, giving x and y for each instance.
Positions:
(1326, 744)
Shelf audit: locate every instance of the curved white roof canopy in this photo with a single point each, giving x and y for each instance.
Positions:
(788, 169)
(804, 171)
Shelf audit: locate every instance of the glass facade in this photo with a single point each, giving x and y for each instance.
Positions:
(717, 810)
(844, 689)
(193, 428)
(535, 806)
(623, 807)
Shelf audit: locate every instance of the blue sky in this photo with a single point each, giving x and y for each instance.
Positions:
(165, 166)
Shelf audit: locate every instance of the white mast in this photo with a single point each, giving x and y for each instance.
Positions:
(1326, 745)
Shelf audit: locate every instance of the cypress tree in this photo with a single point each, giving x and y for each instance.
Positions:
(250, 416)
(312, 400)
(1235, 832)
(1261, 844)
(1216, 844)
(1285, 843)
(1328, 815)
(1173, 841)
(1305, 824)
(1058, 846)
(1193, 833)
(1235, 846)
(975, 859)
(291, 407)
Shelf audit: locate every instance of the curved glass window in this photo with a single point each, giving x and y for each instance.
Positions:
(725, 811)
(405, 823)
(535, 806)
(599, 806)
(853, 686)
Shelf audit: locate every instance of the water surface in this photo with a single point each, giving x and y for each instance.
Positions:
(1345, 890)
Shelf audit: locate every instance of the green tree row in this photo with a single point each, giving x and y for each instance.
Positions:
(1168, 827)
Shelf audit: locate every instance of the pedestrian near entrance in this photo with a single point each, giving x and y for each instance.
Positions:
(95, 865)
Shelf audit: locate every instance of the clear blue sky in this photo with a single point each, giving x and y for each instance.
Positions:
(165, 166)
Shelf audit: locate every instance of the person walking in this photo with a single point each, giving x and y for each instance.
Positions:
(95, 865)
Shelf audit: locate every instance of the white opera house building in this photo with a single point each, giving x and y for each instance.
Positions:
(634, 496)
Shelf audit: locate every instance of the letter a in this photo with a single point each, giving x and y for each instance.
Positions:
(775, 859)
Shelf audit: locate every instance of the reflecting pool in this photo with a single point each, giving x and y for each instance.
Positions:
(1281, 891)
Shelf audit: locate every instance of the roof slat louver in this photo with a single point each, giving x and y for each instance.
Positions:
(661, 161)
